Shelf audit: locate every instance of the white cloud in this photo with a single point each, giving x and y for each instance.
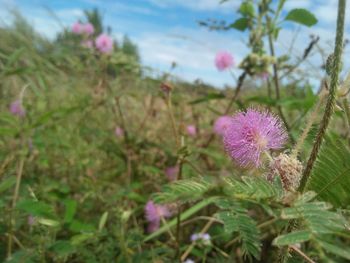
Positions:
(198, 5)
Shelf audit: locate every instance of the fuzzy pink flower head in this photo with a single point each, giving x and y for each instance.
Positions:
(119, 132)
(222, 124)
(171, 172)
(191, 130)
(154, 213)
(223, 60)
(104, 43)
(16, 108)
(87, 44)
(252, 133)
(88, 29)
(77, 28)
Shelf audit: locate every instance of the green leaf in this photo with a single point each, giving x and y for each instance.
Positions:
(301, 16)
(36, 208)
(210, 96)
(81, 238)
(336, 250)
(48, 222)
(183, 190)
(71, 207)
(62, 248)
(7, 183)
(330, 177)
(236, 220)
(252, 187)
(240, 24)
(247, 9)
(103, 221)
(292, 238)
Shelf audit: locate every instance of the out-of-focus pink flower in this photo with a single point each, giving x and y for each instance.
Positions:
(191, 130)
(88, 29)
(172, 172)
(223, 60)
(16, 108)
(154, 213)
(222, 124)
(87, 44)
(264, 75)
(252, 133)
(77, 28)
(205, 237)
(119, 132)
(104, 43)
(31, 220)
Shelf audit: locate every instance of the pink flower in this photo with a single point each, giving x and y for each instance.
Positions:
(77, 28)
(87, 44)
(172, 172)
(16, 108)
(252, 133)
(222, 124)
(88, 29)
(264, 75)
(191, 130)
(119, 132)
(223, 60)
(154, 213)
(104, 43)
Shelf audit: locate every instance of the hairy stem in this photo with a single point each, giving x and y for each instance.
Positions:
(331, 97)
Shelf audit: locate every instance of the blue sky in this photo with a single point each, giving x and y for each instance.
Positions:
(166, 31)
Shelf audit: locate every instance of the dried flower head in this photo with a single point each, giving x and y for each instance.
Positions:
(104, 43)
(154, 213)
(221, 124)
(166, 87)
(289, 169)
(16, 108)
(171, 172)
(252, 133)
(223, 60)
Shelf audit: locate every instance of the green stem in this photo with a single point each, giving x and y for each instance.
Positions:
(331, 97)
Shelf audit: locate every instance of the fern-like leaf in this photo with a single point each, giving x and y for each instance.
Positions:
(183, 190)
(330, 178)
(236, 219)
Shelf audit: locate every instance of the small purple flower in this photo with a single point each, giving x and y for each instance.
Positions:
(171, 172)
(77, 28)
(222, 124)
(252, 133)
(88, 29)
(16, 108)
(223, 60)
(154, 213)
(191, 130)
(203, 237)
(119, 132)
(104, 43)
(31, 220)
(189, 261)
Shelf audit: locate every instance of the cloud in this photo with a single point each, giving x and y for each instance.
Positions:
(198, 5)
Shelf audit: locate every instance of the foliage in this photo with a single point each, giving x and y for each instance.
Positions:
(73, 189)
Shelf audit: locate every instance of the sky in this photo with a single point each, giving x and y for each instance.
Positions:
(167, 31)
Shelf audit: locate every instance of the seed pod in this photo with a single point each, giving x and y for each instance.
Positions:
(289, 169)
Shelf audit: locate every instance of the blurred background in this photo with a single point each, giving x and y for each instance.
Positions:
(168, 31)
